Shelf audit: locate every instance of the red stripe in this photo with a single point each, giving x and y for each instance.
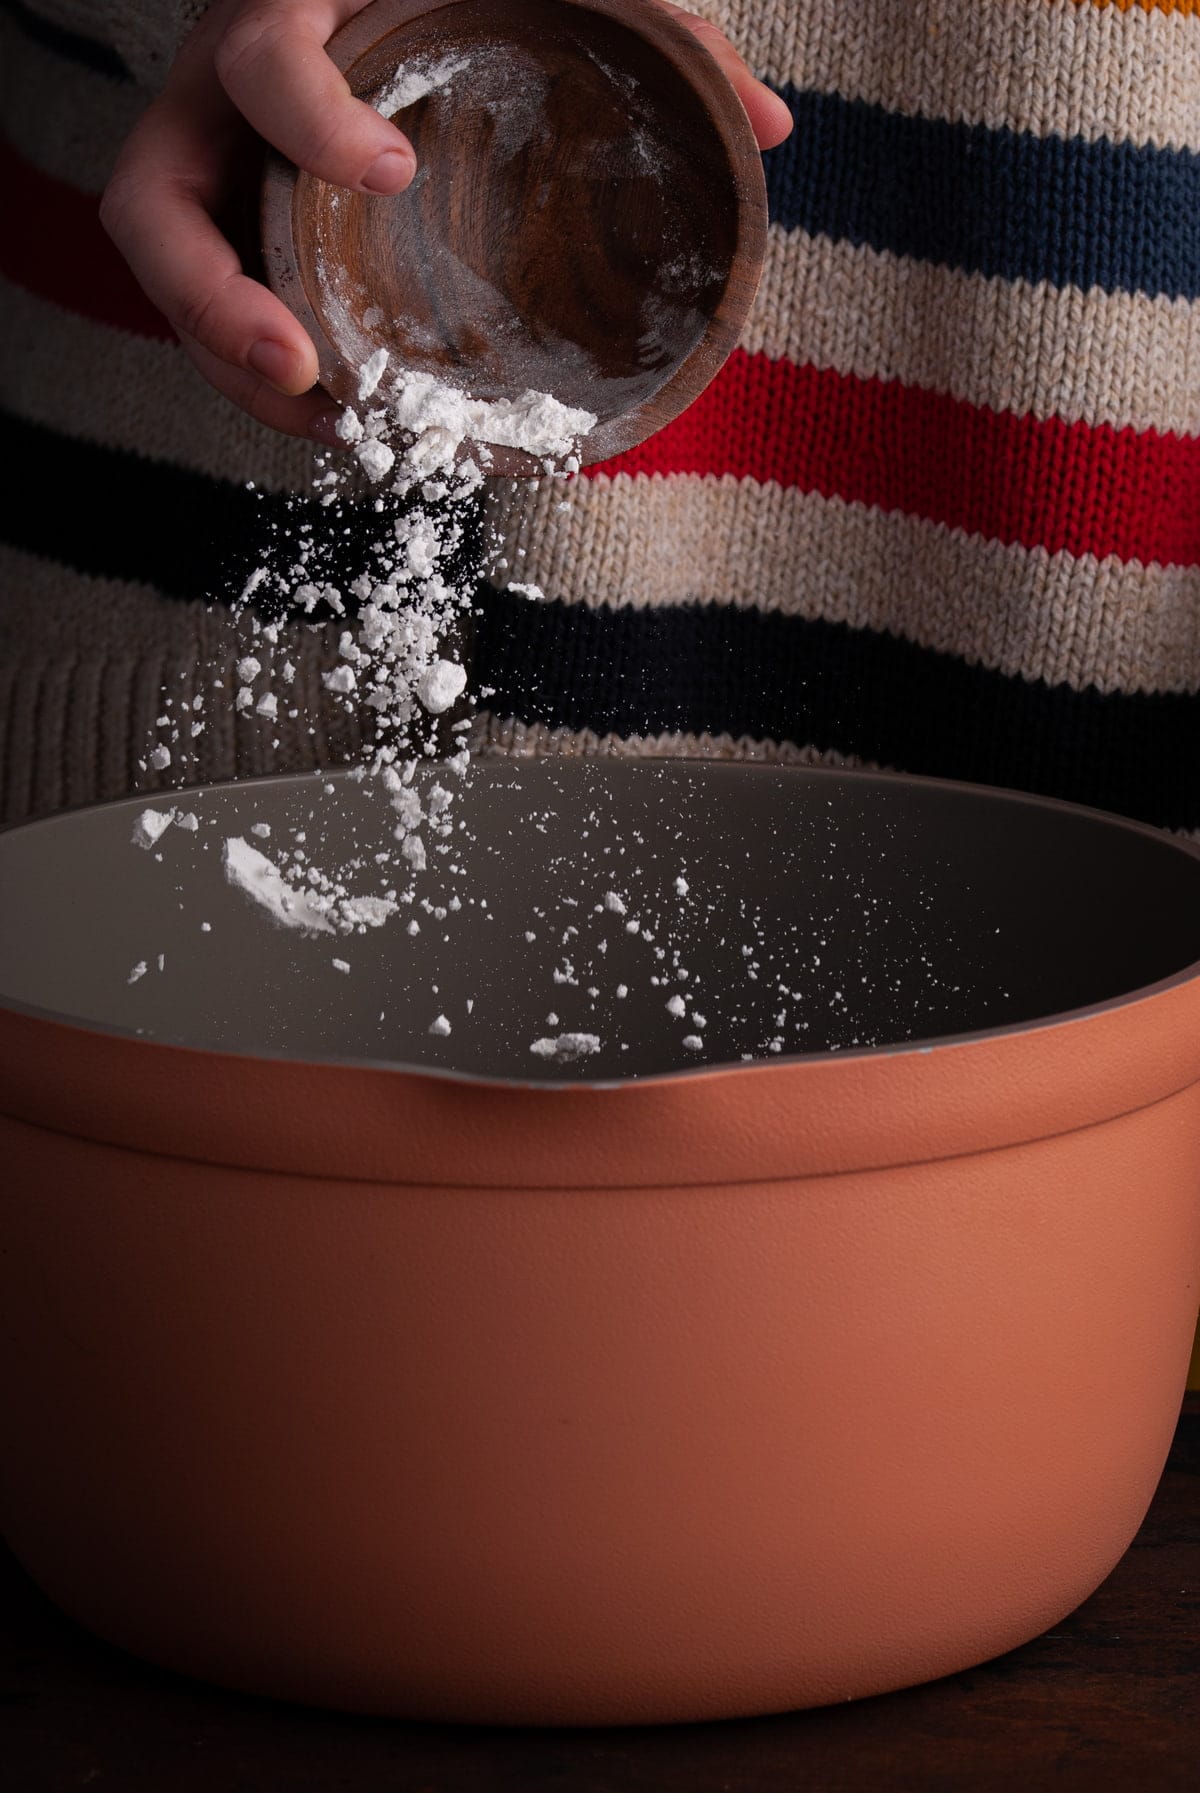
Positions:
(1085, 489)
(53, 245)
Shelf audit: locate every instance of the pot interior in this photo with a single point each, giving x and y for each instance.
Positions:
(674, 915)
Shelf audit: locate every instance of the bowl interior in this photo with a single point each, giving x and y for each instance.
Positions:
(676, 914)
(584, 221)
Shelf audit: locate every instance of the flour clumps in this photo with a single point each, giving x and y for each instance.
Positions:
(566, 1048)
(250, 871)
(375, 458)
(441, 686)
(150, 827)
(440, 420)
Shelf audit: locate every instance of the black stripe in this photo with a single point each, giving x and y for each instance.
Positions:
(72, 46)
(742, 672)
(117, 515)
(690, 668)
(1124, 217)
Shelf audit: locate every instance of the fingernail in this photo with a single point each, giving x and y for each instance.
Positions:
(275, 363)
(390, 172)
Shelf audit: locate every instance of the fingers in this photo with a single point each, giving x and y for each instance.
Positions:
(770, 119)
(156, 218)
(271, 62)
(312, 416)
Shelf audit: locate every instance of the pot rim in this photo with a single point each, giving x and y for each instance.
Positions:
(789, 1117)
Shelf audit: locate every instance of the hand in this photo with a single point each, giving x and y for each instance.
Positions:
(257, 69)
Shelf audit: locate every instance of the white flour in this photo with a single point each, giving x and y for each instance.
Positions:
(566, 1048)
(421, 436)
(150, 827)
(442, 422)
(441, 686)
(251, 871)
(441, 419)
(417, 79)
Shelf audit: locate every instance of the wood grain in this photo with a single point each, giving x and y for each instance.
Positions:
(588, 218)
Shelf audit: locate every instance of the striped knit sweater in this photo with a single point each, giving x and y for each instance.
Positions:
(940, 513)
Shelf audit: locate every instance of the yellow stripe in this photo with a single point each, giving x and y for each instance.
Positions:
(1189, 8)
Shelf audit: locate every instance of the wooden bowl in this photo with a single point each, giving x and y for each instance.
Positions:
(588, 217)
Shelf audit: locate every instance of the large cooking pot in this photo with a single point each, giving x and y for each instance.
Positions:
(458, 1376)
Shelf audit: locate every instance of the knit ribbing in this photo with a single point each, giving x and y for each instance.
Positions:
(108, 657)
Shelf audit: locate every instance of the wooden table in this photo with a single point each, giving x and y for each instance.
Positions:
(1108, 1700)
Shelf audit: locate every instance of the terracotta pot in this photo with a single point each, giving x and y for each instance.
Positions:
(460, 1384)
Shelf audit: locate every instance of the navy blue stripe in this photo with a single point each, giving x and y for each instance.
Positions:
(726, 670)
(1119, 216)
(71, 45)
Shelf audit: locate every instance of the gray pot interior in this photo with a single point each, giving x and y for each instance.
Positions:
(823, 912)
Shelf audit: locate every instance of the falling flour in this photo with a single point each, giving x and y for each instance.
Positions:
(423, 445)
(441, 686)
(422, 442)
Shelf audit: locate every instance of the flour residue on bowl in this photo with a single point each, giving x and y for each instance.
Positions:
(416, 80)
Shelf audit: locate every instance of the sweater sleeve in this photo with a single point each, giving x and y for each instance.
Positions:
(144, 33)
(147, 33)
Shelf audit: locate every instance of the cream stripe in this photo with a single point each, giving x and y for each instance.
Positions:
(124, 391)
(495, 737)
(1116, 358)
(1076, 622)
(1046, 66)
(85, 668)
(66, 119)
